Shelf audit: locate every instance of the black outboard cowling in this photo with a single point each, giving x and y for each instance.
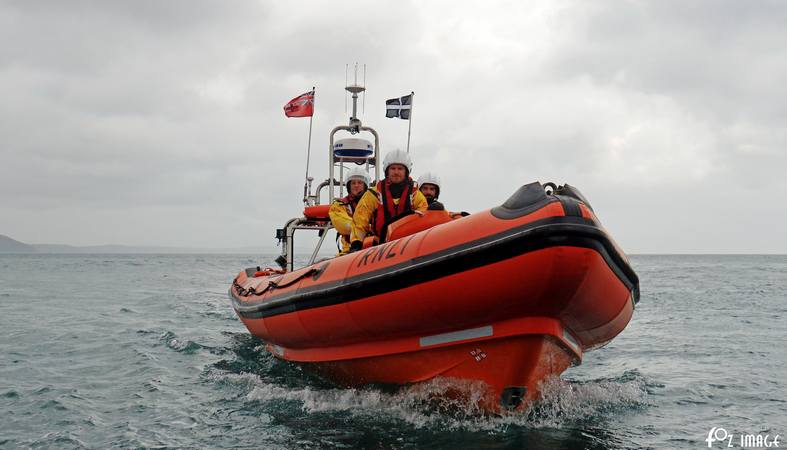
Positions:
(525, 200)
(571, 191)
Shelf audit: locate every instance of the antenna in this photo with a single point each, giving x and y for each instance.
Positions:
(346, 68)
(364, 92)
(355, 89)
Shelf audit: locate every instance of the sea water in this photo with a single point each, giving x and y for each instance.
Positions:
(104, 351)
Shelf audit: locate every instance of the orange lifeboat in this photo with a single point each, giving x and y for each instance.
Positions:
(507, 296)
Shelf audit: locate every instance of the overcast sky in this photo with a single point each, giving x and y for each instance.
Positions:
(161, 123)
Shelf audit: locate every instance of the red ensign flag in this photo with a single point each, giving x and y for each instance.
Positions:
(300, 106)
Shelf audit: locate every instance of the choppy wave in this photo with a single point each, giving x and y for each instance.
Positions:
(157, 358)
(564, 401)
(432, 404)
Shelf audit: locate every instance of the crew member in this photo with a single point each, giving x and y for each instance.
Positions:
(429, 185)
(392, 198)
(341, 211)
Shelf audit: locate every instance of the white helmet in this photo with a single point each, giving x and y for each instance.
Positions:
(398, 157)
(357, 173)
(429, 178)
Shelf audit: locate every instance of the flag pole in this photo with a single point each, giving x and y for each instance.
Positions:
(410, 122)
(306, 187)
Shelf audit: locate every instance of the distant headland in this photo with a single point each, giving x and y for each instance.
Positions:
(10, 245)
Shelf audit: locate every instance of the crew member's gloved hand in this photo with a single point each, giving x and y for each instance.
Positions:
(355, 246)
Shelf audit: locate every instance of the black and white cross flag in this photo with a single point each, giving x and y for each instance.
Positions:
(399, 107)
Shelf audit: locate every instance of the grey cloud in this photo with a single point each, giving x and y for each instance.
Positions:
(718, 61)
(163, 119)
